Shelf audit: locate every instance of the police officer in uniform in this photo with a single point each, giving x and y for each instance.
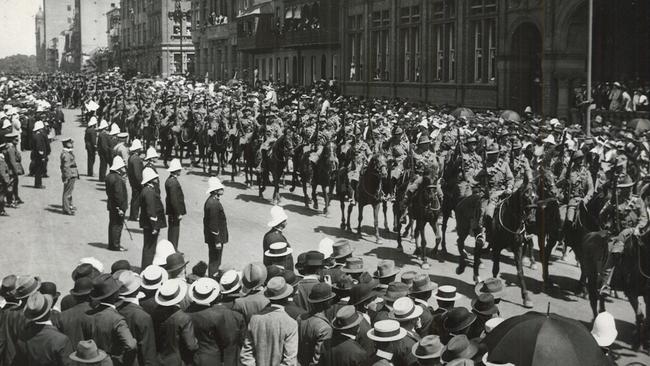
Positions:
(90, 138)
(69, 174)
(117, 202)
(152, 215)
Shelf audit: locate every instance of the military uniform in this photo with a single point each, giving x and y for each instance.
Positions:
(69, 174)
(90, 139)
(14, 161)
(521, 170)
(578, 186)
(426, 163)
(499, 181)
(361, 158)
(5, 182)
(397, 149)
(472, 164)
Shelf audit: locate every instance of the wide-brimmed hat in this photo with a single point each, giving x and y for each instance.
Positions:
(87, 352)
(311, 258)
(422, 283)
(130, 280)
(8, 285)
(341, 248)
(458, 319)
(151, 153)
(428, 347)
(153, 276)
(459, 347)
(174, 262)
(492, 323)
(135, 145)
(321, 292)
(279, 249)
(361, 293)
(386, 268)
(66, 139)
(204, 291)
(292, 278)
(353, 265)
(396, 290)
(343, 285)
(96, 263)
(253, 276)
(148, 175)
(175, 165)
(230, 282)
(625, 182)
(82, 286)
(49, 288)
(278, 216)
(214, 184)
(25, 286)
(484, 305)
(163, 249)
(171, 292)
(492, 286)
(104, 286)
(84, 270)
(386, 331)
(118, 163)
(38, 306)
(405, 309)
(277, 289)
(346, 317)
(604, 329)
(447, 293)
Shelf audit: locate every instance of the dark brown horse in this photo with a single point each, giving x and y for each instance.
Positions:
(344, 187)
(250, 147)
(370, 190)
(276, 163)
(426, 210)
(324, 175)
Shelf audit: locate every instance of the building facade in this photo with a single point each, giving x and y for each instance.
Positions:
(151, 42)
(58, 18)
(505, 54)
(214, 35)
(39, 20)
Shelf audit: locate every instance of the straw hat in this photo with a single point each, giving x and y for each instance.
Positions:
(277, 289)
(405, 309)
(204, 291)
(38, 126)
(279, 249)
(386, 331)
(428, 347)
(171, 292)
(447, 293)
(230, 282)
(152, 277)
(38, 306)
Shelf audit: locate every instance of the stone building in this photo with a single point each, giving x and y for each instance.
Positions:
(39, 20)
(58, 18)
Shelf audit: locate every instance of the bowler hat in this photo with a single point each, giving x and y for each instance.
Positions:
(291, 278)
(104, 286)
(361, 293)
(175, 261)
(26, 285)
(343, 285)
(82, 286)
(38, 306)
(278, 289)
(49, 288)
(347, 317)
(120, 265)
(458, 319)
(313, 258)
(87, 352)
(484, 305)
(321, 292)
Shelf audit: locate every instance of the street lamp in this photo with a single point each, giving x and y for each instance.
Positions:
(178, 16)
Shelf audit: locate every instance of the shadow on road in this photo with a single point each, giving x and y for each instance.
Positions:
(58, 209)
(336, 232)
(302, 210)
(536, 286)
(236, 185)
(390, 252)
(251, 198)
(99, 245)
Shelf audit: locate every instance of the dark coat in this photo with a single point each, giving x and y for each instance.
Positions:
(175, 340)
(141, 326)
(152, 212)
(276, 236)
(44, 345)
(90, 138)
(104, 145)
(109, 331)
(250, 305)
(219, 332)
(12, 328)
(14, 160)
(303, 289)
(215, 227)
(344, 351)
(174, 198)
(134, 169)
(40, 146)
(70, 321)
(116, 192)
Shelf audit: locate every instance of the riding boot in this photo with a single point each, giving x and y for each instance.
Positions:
(605, 275)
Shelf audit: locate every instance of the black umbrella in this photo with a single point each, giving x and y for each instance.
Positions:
(536, 339)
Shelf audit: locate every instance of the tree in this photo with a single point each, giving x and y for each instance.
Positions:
(17, 64)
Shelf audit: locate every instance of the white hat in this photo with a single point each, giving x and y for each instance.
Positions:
(6, 123)
(171, 292)
(151, 153)
(204, 291)
(230, 282)
(123, 135)
(135, 145)
(115, 129)
(277, 216)
(214, 184)
(550, 139)
(492, 323)
(325, 247)
(554, 122)
(38, 126)
(153, 276)
(424, 123)
(93, 262)
(163, 249)
(604, 329)
(103, 124)
(118, 163)
(175, 165)
(92, 106)
(528, 110)
(405, 309)
(93, 121)
(279, 249)
(386, 331)
(447, 293)
(148, 175)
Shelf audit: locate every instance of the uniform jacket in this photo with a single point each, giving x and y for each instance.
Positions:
(141, 326)
(152, 212)
(40, 146)
(175, 340)
(174, 198)
(632, 214)
(215, 227)
(14, 160)
(68, 165)
(271, 339)
(116, 192)
(44, 345)
(90, 139)
(250, 304)
(109, 330)
(121, 150)
(12, 328)
(135, 166)
(314, 330)
(104, 145)
(219, 332)
(70, 321)
(273, 236)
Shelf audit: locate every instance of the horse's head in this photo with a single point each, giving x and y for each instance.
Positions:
(331, 161)
(378, 165)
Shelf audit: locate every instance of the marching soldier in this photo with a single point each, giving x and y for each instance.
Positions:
(175, 202)
(152, 215)
(134, 171)
(90, 138)
(116, 204)
(69, 174)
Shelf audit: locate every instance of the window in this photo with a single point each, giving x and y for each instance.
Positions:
(482, 7)
(380, 38)
(485, 50)
(277, 69)
(355, 46)
(443, 40)
(478, 51)
(492, 51)
(410, 43)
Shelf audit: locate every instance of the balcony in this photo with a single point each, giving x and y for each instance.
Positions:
(220, 31)
(260, 40)
(312, 37)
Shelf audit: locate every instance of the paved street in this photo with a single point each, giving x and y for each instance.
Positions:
(39, 239)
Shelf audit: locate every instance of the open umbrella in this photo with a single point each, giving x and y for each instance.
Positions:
(639, 125)
(535, 339)
(511, 116)
(462, 112)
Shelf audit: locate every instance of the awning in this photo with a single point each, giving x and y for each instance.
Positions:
(259, 9)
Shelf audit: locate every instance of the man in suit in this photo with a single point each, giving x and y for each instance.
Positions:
(59, 119)
(152, 215)
(13, 322)
(134, 171)
(253, 279)
(41, 343)
(175, 202)
(69, 174)
(344, 349)
(314, 329)
(103, 148)
(90, 138)
(14, 161)
(40, 152)
(116, 204)
(139, 321)
(215, 228)
(105, 325)
(70, 320)
(311, 267)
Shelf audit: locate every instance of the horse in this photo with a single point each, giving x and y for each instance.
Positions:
(185, 139)
(302, 170)
(344, 187)
(276, 162)
(150, 132)
(450, 199)
(167, 141)
(506, 231)
(251, 145)
(218, 145)
(324, 175)
(425, 209)
(236, 146)
(370, 190)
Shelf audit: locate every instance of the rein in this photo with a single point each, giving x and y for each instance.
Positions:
(377, 194)
(500, 218)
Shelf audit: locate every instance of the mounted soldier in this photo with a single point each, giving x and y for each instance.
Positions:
(497, 180)
(577, 185)
(425, 163)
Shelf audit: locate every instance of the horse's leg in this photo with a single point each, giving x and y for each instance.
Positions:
(294, 176)
(443, 234)
(520, 273)
(638, 315)
(462, 259)
(359, 217)
(342, 204)
(314, 196)
(327, 199)
(276, 186)
(375, 209)
(478, 250)
(348, 227)
(305, 196)
(384, 206)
